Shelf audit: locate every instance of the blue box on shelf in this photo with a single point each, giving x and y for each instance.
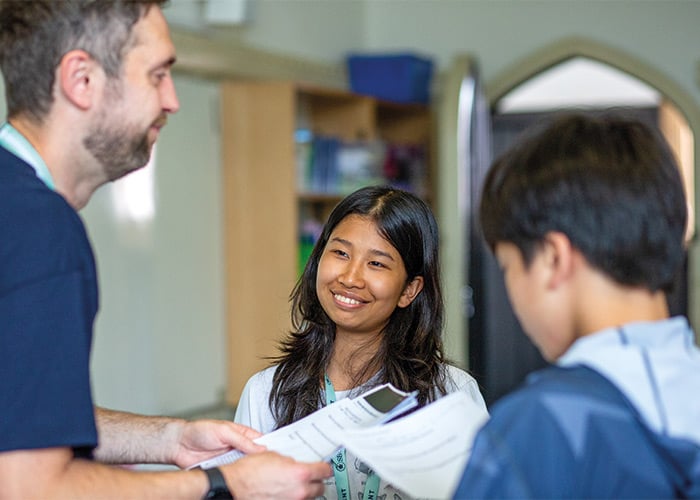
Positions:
(401, 78)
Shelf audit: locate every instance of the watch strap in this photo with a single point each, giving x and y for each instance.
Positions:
(217, 484)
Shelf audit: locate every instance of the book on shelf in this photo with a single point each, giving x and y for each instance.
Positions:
(327, 164)
(422, 453)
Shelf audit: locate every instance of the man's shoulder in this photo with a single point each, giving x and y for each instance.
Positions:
(40, 233)
(22, 193)
(37, 216)
(14, 169)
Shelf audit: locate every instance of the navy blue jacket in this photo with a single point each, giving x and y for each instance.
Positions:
(570, 433)
(48, 303)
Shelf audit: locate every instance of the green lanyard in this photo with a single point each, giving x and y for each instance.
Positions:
(340, 470)
(19, 146)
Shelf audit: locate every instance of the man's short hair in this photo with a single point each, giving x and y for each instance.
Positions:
(36, 34)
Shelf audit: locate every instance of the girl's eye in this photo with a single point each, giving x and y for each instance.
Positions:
(339, 253)
(375, 263)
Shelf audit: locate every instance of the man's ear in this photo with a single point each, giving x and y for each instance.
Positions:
(558, 257)
(411, 291)
(77, 76)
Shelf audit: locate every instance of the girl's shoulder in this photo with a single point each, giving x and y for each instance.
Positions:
(457, 380)
(262, 380)
(253, 408)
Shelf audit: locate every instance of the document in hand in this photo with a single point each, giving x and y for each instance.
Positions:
(425, 452)
(422, 453)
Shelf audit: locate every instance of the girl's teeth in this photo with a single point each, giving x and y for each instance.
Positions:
(346, 300)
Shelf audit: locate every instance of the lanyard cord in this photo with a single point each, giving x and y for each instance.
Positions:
(340, 469)
(18, 145)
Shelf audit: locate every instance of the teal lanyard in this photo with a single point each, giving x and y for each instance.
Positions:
(340, 470)
(19, 146)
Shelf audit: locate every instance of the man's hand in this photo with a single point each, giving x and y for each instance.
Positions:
(271, 475)
(202, 439)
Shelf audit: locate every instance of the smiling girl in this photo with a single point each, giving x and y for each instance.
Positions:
(367, 310)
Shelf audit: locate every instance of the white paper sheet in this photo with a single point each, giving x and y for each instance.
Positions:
(424, 453)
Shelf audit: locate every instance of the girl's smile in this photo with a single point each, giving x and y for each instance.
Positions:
(348, 301)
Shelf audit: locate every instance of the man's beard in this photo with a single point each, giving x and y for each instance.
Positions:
(119, 149)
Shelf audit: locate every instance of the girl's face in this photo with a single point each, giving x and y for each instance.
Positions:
(361, 278)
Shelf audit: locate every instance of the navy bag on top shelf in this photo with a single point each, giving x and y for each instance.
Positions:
(403, 78)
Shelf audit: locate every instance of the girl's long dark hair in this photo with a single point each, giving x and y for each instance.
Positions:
(411, 353)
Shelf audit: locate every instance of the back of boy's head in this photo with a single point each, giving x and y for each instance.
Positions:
(610, 184)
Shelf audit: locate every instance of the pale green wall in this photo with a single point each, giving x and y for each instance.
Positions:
(661, 33)
(320, 30)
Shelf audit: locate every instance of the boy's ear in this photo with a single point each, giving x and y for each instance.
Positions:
(411, 291)
(77, 78)
(559, 258)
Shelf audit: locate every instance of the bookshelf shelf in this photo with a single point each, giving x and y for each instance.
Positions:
(311, 197)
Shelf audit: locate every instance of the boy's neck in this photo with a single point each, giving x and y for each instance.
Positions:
(608, 305)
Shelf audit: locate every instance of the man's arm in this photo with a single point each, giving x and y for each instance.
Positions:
(54, 473)
(127, 438)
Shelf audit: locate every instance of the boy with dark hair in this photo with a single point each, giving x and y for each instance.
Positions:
(587, 220)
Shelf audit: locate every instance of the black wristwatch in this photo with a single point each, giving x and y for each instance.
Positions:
(217, 484)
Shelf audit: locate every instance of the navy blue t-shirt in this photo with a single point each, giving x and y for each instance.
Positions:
(570, 433)
(48, 303)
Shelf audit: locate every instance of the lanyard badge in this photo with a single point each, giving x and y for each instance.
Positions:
(340, 469)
